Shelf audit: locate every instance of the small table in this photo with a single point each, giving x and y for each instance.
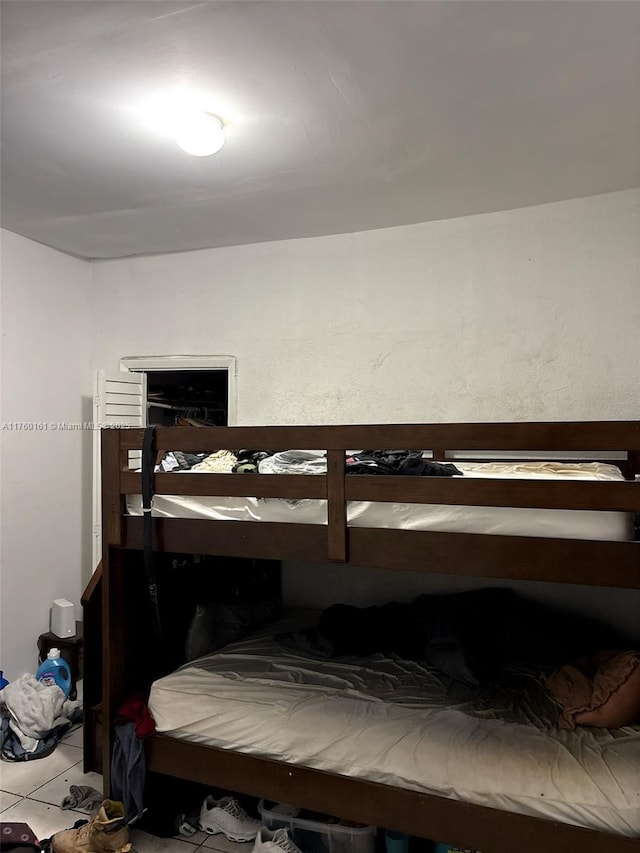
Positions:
(71, 650)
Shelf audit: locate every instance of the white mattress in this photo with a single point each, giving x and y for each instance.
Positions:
(572, 524)
(388, 721)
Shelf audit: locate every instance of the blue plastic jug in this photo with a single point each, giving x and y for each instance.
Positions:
(55, 670)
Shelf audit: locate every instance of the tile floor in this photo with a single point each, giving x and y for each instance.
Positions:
(32, 792)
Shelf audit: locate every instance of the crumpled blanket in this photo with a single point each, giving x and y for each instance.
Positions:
(399, 462)
(35, 709)
(295, 462)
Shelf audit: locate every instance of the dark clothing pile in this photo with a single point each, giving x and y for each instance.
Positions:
(187, 460)
(178, 460)
(468, 636)
(248, 461)
(394, 462)
(398, 462)
(12, 750)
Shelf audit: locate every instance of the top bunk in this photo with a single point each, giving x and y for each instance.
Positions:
(571, 520)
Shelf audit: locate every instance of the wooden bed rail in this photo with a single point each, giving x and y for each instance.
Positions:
(585, 436)
(420, 814)
(617, 437)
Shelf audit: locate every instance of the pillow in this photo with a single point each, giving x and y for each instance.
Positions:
(602, 691)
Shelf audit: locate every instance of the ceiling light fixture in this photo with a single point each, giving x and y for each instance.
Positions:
(200, 134)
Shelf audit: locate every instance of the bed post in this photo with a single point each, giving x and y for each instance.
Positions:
(336, 507)
(112, 594)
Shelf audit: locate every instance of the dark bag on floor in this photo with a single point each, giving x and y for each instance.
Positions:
(18, 838)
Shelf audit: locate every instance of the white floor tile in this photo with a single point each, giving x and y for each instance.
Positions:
(7, 800)
(74, 738)
(144, 843)
(57, 789)
(44, 820)
(23, 777)
(219, 842)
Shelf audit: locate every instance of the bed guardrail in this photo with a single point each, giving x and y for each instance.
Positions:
(586, 561)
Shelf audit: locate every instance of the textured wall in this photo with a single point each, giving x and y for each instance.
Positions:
(525, 314)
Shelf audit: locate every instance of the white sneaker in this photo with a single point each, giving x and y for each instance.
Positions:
(277, 841)
(228, 817)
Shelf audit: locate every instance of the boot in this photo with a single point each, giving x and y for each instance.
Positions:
(106, 833)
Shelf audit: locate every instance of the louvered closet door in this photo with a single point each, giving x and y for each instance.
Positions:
(120, 400)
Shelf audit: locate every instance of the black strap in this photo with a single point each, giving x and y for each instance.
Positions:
(148, 465)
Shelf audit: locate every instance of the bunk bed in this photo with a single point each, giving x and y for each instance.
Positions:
(578, 558)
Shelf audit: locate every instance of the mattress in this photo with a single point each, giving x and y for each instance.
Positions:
(571, 524)
(393, 721)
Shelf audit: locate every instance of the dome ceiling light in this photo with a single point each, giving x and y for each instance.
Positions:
(200, 134)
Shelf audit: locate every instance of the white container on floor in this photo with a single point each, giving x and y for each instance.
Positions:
(319, 837)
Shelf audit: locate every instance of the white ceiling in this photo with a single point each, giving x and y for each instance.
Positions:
(342, 116)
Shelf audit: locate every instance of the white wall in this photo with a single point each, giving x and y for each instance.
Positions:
(46, 496)
(525, 314)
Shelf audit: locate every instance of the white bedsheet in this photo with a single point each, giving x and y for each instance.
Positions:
(572, 524)
(387, 720)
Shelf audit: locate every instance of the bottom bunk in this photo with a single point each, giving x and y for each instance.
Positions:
(389, 741)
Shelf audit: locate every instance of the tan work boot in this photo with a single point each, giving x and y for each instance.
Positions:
(107, 832)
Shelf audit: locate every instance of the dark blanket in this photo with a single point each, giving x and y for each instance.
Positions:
(468, 636)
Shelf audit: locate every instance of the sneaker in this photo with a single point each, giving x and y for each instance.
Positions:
(228, 817)
(277, 841)
(106, 833)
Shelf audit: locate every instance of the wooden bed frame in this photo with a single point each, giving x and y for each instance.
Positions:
(599, 563)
